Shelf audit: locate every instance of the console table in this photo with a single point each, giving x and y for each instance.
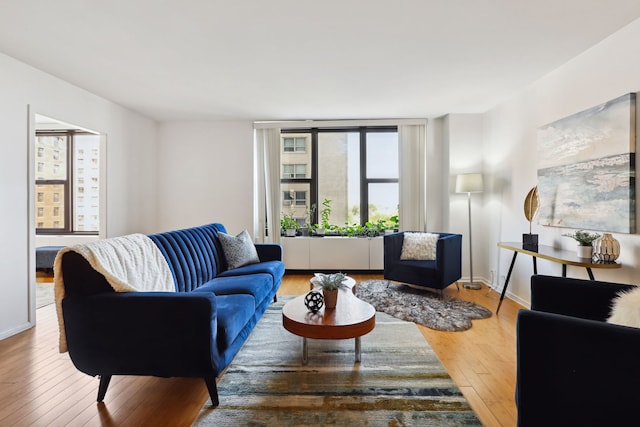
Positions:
(550, 253)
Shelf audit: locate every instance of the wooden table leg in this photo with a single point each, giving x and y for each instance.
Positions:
(506, 282)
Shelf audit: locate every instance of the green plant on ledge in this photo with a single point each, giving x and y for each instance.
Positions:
(288, 222)
(584, 238)
(325, 213)
(309, 212)
(395, 222)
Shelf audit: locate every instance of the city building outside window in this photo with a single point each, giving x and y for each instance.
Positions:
(356, 168)
(59, 181)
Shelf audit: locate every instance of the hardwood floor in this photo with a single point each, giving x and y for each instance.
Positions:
(39, 386)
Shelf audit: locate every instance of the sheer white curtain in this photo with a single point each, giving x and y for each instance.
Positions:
(412, 144)
(266, 203)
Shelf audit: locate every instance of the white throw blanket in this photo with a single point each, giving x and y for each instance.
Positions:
(130, 263)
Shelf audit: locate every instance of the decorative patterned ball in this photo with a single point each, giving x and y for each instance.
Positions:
(314, 301)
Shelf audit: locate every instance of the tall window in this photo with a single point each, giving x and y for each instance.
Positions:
(355, 168)
(62, 166)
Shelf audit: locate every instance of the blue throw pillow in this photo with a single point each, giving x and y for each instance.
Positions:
(238, 250)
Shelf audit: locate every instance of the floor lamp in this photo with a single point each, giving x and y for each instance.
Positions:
(469, 183)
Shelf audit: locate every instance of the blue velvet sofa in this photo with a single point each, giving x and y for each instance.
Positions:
(445, 270)
(574, 368)
(194, 332)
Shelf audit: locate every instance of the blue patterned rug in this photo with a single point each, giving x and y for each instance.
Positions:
(400, 381)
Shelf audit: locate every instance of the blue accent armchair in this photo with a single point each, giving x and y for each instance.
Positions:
(573, 368)
(445, 270)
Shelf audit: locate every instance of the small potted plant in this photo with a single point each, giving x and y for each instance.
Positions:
(585, 242)
(289, 225)
(330, 284)
(308, 226)
(324, 226)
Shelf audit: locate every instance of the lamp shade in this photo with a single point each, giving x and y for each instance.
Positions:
(469, 183)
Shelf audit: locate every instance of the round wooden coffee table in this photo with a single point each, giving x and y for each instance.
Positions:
(352, 318)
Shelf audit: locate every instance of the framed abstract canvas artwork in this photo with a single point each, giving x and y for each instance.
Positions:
(586, 168)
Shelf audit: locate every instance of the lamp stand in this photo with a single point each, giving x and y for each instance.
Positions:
(471, 284)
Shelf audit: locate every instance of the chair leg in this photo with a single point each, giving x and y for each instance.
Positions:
(275, 298)
(102, 388)
(213, 390)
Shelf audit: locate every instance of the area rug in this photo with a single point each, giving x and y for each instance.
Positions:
(442, 313)
(399, 382)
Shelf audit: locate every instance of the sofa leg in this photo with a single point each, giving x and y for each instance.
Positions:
(275, 298)
(457, 285)
(102, 388)
(213, 390)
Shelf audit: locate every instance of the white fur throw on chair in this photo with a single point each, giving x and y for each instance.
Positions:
(626, 309)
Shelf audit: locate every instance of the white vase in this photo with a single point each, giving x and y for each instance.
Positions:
(290, 232)
(585, 251)
(606, 248)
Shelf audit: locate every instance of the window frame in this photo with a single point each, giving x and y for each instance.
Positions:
(67, 187)
(313, 180)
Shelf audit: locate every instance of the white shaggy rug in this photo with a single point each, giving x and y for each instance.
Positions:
(442, 313)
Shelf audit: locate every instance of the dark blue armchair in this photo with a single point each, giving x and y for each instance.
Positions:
(573, 368)
(445, 270)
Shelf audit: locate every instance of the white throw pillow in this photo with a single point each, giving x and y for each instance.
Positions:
(626, 309)
(238, 250)
(419, 246)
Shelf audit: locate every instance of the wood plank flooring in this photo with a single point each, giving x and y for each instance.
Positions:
(41, 387)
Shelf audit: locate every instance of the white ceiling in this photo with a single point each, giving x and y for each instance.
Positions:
(301, 59)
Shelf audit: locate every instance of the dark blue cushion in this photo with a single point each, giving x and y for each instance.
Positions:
(259, 286)
(234, 312)
(416, 268)
(273, 268)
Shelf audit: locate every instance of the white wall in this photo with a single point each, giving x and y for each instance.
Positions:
(205, 175)
(464, 141)
(604, 72)
(130, 174)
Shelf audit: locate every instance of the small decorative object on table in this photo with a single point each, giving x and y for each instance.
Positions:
(330, 284)
(606, 248)
(314, 301)
(531, 206)
(585, 242)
